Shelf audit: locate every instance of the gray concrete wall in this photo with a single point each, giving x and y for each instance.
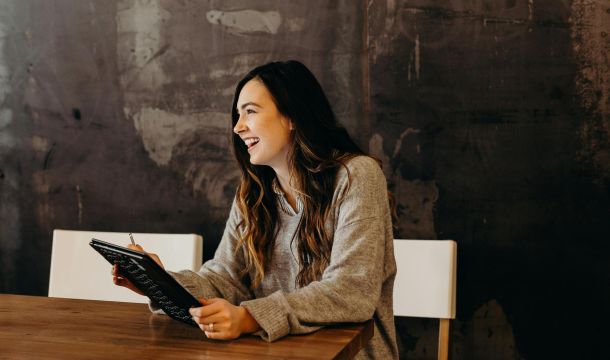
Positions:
(492, 118)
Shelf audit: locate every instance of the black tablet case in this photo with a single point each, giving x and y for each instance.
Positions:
(151, 279)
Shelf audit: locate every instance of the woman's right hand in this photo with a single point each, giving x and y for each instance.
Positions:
(119, 280)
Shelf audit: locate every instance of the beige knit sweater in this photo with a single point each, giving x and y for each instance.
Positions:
(356, 286)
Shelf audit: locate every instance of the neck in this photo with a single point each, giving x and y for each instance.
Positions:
(287, 185)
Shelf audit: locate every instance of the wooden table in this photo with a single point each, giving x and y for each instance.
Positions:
(33, 327)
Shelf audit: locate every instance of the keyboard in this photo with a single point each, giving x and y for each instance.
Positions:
(151, 279)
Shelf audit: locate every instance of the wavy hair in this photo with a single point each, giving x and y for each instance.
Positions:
(320, 146)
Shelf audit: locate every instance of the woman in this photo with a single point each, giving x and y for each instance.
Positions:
(308, 241)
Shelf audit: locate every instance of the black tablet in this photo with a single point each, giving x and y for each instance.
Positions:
(151, 279)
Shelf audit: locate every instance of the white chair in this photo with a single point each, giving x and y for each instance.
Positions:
(79, 272)
(425, 283)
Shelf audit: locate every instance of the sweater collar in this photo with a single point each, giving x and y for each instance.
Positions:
(284, 205)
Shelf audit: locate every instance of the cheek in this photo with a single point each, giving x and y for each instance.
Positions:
(283, 141)
(278, 137)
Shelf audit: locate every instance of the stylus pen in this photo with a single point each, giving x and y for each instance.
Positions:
(131, 238)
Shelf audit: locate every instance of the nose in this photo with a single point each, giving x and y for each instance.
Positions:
(240, 126)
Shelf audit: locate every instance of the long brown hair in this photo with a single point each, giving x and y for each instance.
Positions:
(320, 147)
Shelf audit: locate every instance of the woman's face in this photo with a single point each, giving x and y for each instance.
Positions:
(264, 130)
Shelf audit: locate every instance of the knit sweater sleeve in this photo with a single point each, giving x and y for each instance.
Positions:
(218, 277)
(350, 287)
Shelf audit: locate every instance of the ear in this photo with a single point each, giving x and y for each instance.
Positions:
(285, 119)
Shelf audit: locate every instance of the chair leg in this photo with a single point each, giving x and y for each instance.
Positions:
(443, 339)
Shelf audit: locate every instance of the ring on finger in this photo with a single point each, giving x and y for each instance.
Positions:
(211, 327)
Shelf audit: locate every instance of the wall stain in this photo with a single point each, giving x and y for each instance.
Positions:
(415, 198)
(489, 319)
(11, 183)
(140, 46)
(201, 157)
(161, 130)
(48, 158)
(420, 336)
(76, 114)
(246, 21)
(79, 203)
(590, 22)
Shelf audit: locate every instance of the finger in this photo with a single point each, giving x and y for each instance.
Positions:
(135, 247)
(218, 335)
(117, 269)
(204, 320)
(198, 321)
(121, 281)
(208, 328)
(216, 319)
(207, 310)
(195, 311)
(204, 301)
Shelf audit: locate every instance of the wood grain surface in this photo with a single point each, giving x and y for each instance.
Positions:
(34, 327)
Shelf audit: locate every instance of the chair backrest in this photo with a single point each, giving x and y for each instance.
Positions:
(79, 272)
(425, 279)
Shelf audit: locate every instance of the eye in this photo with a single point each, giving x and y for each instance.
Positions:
(250, 111)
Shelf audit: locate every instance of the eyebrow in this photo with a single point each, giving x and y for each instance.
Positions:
(249, 103)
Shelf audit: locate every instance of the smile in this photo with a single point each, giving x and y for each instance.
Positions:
(250, 142)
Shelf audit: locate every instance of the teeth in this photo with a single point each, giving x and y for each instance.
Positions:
(250, 141)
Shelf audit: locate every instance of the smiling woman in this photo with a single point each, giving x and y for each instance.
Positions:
(309, 237)
(264, 130)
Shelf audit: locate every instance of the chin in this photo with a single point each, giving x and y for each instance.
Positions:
(255, 161)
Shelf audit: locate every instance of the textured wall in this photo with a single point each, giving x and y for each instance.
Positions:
(492, 118)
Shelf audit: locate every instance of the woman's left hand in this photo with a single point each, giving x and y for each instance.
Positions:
(221, 320)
